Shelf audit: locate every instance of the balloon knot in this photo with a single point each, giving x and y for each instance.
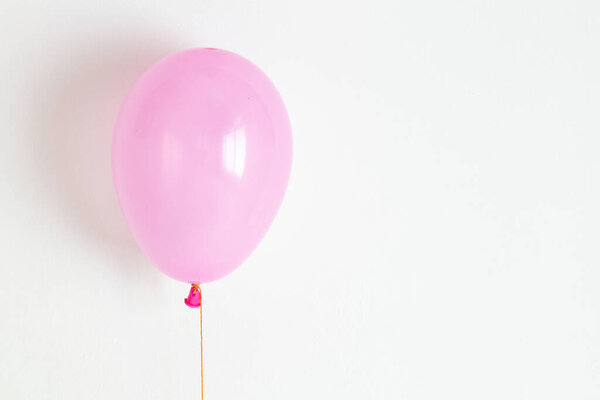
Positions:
(194, 299)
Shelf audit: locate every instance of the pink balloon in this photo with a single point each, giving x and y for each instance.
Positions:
(201, 156)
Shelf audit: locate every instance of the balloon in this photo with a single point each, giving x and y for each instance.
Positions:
(201, 155)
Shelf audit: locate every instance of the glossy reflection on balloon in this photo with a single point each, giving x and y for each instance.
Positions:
(201, 157)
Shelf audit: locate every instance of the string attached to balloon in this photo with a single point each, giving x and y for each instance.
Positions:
(194, 300)
(201, 353)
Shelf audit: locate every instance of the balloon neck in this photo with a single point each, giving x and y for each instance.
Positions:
(194, 299)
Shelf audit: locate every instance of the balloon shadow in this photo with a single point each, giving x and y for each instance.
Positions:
(74, 113)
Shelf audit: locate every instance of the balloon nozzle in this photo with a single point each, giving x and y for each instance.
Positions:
(194, 299)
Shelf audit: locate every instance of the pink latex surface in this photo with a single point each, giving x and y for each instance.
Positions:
(201, 156)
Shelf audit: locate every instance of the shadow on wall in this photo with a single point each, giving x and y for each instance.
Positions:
(74, 115)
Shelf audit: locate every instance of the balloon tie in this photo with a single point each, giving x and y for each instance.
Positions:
(194, 300)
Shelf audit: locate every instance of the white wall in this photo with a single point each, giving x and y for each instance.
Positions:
(439, 238)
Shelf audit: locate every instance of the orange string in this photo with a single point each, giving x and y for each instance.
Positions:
(201, 347)
(201, 356)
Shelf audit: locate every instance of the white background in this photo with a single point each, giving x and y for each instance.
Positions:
(439, 238)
